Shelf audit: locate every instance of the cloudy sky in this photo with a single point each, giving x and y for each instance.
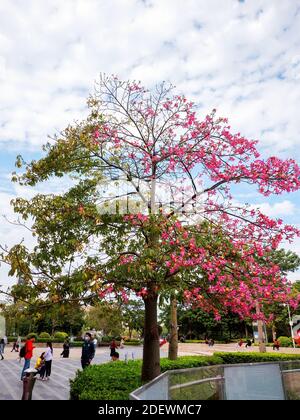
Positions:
(240, 57)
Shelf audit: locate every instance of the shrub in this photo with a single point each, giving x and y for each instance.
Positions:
(110, 381)
(76, 344)
(203, 341)
(44, 340)
(32, 335)
(225, 338)
(116, 380)
(45, 335)
(106, 339)
(60, 335)
(285, 341)
(186, 362)
(132, 342)
(109, 338)
(253, 357)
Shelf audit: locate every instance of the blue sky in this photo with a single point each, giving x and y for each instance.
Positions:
(240, 57)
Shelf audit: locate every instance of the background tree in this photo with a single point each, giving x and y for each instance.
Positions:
(17, 320)
(194, 323)
(133, 316)
(21, 318)
(105, 317)
(63, 317)
(147, 140)
(287, 262)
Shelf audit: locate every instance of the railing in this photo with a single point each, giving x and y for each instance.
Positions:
(247, 381)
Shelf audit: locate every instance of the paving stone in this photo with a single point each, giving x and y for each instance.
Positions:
(58, 387)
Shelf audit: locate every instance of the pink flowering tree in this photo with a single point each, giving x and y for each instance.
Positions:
(151, 210)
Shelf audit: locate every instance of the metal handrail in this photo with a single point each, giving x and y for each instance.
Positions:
(199, 381)
(219, 378)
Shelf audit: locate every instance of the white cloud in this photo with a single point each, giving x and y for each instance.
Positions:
(295, 247)
(283, 208)
(242, 58)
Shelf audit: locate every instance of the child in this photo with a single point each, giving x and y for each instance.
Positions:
(40, 366)
(276, 345)
(115, 356)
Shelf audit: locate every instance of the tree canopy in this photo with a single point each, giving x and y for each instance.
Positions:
(180, 228)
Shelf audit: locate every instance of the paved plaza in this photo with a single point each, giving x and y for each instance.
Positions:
(57, 388)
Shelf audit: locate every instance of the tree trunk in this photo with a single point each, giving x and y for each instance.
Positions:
(261, 341)
(273, 332)
(246, 330)
(173, 342)
(151, 353)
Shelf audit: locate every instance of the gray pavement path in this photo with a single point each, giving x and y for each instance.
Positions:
(64, 369)
(57, 388)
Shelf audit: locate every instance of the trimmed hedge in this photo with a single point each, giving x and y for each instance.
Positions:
(31, 335)
(45, 335)
(221, 341)
(253, 357)
(12, 339)
(285, 341)
(109, 338)
(45, 340)
(132, 343)
(116, 380)
(76, 344)
(52, 340)
(60, 335)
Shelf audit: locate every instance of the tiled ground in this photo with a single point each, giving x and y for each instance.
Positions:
(64, 369)
(57, 388)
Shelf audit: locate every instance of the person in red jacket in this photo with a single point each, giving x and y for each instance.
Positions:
(28, 355)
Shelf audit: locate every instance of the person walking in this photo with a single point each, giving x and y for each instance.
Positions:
(113, 347)
(48, 360)
(88, 351)
(15, 346)
(239, 344)
(19, 342)
(66, 349)
(276, 345)
(248, 343)
(27, 353)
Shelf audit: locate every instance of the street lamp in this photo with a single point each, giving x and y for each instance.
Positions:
(290, 322)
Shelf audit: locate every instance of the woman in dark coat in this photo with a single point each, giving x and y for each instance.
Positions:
(66, 349)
